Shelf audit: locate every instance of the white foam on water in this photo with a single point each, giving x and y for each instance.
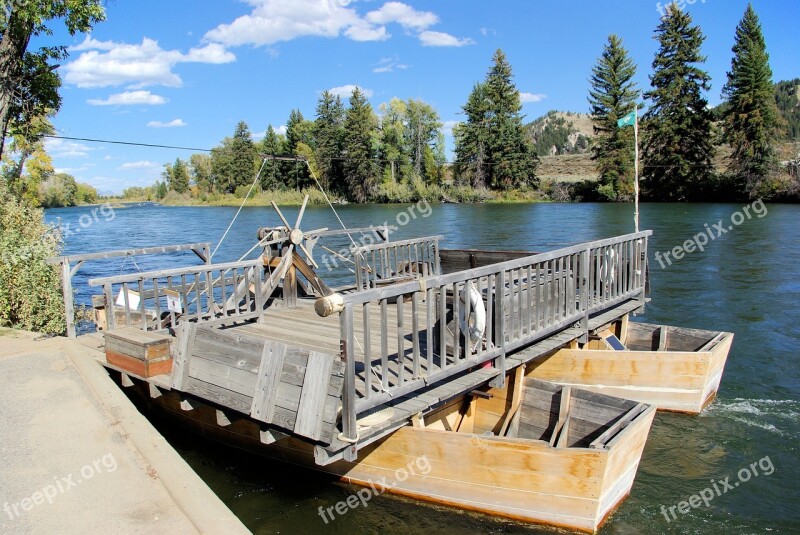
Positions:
(759, 413)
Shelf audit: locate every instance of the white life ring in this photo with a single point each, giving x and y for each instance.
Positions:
(477, 317)
(607, 269)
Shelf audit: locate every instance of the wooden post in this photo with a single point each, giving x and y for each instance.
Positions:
(584, 272)
(347, 343)
(69, 305)
(499, 333)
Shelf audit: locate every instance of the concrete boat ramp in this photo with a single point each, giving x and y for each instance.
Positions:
(77, 457)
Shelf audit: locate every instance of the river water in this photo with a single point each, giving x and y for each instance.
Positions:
(747, 280)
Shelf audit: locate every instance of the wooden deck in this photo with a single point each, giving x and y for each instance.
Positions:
(302, 327)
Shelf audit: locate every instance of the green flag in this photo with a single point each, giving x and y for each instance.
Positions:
(628, 120)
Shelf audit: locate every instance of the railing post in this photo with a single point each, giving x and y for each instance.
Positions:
(69, 305)
(347, 343)
(584, 273)
(499, 330)
(111, 314)
(641, 278)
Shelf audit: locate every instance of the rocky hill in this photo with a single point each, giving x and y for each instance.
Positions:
(558, 133)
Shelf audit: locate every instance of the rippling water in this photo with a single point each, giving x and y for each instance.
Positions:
(746, 281)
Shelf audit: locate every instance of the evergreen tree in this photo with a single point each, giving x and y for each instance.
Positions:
(234, 163)
(298, 131)
(611, 97)
(751, 117)
(179, 177)
(678, 147)
(513, 159)
(328, 133)
(359, 164)
(272, 145)
(472, 140)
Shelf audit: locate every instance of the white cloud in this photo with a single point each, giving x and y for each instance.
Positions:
(431, 38)
(344, 91)
(487, 31)
(142, 164)
(108, 63)
(130, 98)
(273, 21)
(64, 148)
(281, 130)
(171, 124)
(389, 65)
(403, 14)
(531, 97)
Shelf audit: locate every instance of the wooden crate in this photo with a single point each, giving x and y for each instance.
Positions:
(140, 352)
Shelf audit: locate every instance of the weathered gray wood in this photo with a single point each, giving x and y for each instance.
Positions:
(183, 349)
(268, 378)
(314, 395)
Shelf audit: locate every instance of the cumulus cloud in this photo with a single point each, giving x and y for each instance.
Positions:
(109, 63)
(403, 14)
(447, 127)
(129, 98)
(142, 164)
(531, 97)
(431, 38)
(273, 21)
(344, 91)
(171, 124)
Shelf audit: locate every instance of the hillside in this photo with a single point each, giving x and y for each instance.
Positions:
(559, 133)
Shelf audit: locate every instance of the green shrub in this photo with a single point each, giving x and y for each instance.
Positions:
(30, 289)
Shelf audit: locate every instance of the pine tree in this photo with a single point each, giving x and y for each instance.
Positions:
(751, 117)
(234, 163)
(359, 164)
(328, 133)
(612, 96)
(298, 131)
(272, 145)
(678, 147)
(472, 140)
(179, 177)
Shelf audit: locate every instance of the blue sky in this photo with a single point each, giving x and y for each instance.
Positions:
(184, 72)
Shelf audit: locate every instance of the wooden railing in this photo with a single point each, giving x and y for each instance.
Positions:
(68, 270)
(420, 323)
(387, 263)
(215, 292)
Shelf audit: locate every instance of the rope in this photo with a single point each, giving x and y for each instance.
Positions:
(314, 176)
(244, 201)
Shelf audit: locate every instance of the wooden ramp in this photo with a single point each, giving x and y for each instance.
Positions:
(283, 385)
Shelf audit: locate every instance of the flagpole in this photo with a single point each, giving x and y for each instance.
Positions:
(636, 166)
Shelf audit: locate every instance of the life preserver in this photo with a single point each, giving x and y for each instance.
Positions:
(607, 271)
(477, 317)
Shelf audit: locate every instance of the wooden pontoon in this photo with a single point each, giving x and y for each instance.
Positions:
(673, 368)
(410, 360)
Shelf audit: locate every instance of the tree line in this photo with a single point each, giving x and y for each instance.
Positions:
(681, 137)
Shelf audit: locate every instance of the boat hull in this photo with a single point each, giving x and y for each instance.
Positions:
(672, 380)
(522, 479)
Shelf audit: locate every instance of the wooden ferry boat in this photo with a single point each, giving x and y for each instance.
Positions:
(409, 361)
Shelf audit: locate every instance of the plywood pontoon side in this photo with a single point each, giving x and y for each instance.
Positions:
(683, 376)
(572, 486)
